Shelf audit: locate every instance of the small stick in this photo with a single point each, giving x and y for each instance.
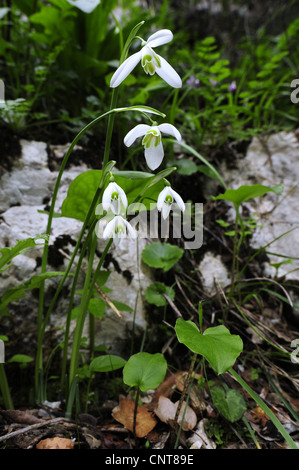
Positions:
(29, 428)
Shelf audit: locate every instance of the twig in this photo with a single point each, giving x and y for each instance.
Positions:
(103, 295)
(173, 306)
(29, 428)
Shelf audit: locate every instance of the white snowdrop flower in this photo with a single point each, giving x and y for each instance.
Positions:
(118, 228)
(165, 200)
(150, 61)
(114, 198)
(153, 147)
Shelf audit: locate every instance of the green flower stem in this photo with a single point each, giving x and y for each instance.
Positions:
(5, 389)
(265, 408)
(82, 314)
(86, 295)
(72, 295)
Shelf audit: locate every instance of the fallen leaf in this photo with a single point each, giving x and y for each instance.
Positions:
(199, 439)
(55, 443)
(19, 416)
(166, 411)
(124, 414)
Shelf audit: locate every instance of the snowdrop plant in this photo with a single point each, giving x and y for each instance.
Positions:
(114, 198)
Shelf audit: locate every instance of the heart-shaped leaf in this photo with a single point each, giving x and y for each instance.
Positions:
(145, 370)
(154, 294)
(216, 344)
(161, 255)
(229, 403)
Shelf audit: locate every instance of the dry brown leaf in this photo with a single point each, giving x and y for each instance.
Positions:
(166, 411)
(200, 439)
(124, 414)
(55, 443)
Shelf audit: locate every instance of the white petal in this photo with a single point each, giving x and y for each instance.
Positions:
(125, 69)
(132, 232)
(106, 199)
(161, 197)
(109, 230)
(170, 129)
(165, 210)
(85, 5)
(134, 133)
(178, 199)
(123, 197)
(154, 156)
(168, 73)
(160, 37)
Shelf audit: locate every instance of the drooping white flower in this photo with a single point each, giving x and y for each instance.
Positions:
(165, 200)
(85, 5)
(150, 61)
(114, 198)
(118, 228)
(153, 147)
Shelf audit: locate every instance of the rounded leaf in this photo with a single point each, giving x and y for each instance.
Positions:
(145, 370)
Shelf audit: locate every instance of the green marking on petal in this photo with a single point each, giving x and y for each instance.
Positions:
(158, 61)
(114, 195)
(119, 229)
(169, 199)
(146, 58)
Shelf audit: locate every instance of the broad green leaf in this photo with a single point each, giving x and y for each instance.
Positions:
(80, 194)
(230, 403)
(8, 253)
(161, 255)
(96, 307)
(15, 293)
(107, 363)
(154, 294)
(21, 358)
(216, 344)
(145, 371)
(185, 166)
(244, 193)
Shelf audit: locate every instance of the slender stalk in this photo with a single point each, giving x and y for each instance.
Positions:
(86, 295)
(135, 410)
(5, 389)
(72, 294)
(82, 314)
